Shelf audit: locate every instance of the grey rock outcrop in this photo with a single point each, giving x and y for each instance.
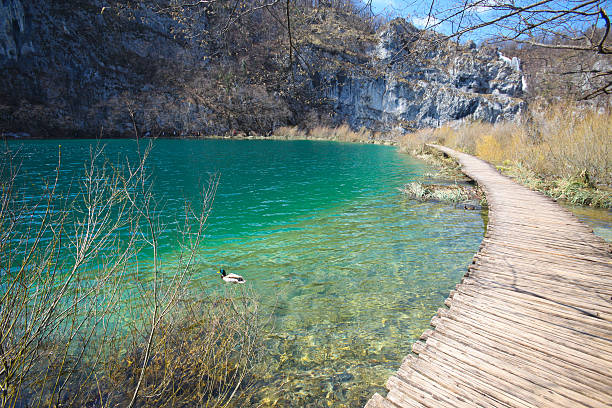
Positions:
(419, 87)
(79, 68)
(13, 40)
(73, 69)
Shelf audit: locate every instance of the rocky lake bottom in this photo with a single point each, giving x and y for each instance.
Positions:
(349, 268)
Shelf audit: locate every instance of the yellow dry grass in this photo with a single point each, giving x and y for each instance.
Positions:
(342, 133)
(561, 142)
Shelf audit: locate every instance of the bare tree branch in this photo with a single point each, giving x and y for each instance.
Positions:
(574, 27)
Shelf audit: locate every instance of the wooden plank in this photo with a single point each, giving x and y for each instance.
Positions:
(423, 392)
(478, 379)
(538, 321)
(454, 381)
(377, 401)
(547, 356)
(535, 360)
(505, 227)
(530, 325)
(584, 299)
(548, 270)
(505, 278)
(507, 384)
(584, 234)
(542, 307)
(529, 339)
(551, 243)
(406, 394)
(492, 248)
(523, 247)
(531, 299)
(519, 375)
(571, 286)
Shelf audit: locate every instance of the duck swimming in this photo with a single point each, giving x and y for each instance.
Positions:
(231, 277)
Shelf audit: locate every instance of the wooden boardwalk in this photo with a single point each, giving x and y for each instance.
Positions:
(530, 325)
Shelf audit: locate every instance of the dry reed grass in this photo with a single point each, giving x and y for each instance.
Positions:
(562, 150)
(204, 356)
(441, 193)
(342, 133)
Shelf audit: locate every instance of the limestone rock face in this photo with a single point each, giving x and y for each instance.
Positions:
(13, 38)
(75, 68)
(417, 87)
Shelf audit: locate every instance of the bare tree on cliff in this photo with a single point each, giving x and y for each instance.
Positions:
(575, 32)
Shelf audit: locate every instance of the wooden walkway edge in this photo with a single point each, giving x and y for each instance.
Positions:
(530, 324)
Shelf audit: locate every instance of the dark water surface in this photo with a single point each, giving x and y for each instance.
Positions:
(352, 270)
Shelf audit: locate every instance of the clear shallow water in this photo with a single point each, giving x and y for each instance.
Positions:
(599, 219)
(352, 271)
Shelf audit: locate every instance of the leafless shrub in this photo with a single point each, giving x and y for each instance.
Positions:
(50, 309)
(85, 320)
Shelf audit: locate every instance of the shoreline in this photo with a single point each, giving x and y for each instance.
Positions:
(430, 157)
(15, 136)
(511, 243)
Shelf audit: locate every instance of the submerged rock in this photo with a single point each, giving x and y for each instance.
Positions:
(342, 377)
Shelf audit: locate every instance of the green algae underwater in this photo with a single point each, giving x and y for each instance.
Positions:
(349, 269)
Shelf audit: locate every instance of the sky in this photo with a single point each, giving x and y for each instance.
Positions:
(417, 12)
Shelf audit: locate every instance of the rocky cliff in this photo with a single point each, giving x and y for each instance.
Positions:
(76, 68)
(413, 85)
(13, 31)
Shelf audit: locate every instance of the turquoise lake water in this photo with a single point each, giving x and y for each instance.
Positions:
(351, 270)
